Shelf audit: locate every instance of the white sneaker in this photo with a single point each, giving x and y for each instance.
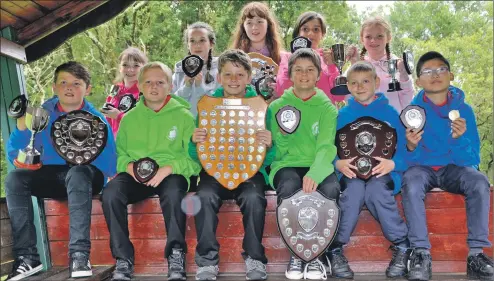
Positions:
(295, 269)
(315, 270)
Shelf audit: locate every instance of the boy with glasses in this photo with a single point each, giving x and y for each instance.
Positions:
(446, 154)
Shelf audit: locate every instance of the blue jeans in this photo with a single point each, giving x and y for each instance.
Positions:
(418, 180)
(77, 183)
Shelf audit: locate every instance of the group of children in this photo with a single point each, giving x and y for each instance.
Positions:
(162, 126)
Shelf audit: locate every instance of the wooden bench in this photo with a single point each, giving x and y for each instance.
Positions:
(367, 250)
(6, 241)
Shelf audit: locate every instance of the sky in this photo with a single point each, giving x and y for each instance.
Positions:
(363, 5)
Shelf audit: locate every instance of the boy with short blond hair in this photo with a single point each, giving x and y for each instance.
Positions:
(159, 127)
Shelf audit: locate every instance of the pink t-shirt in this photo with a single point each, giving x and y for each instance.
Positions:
(115, 100)
(400, 99)
(325, 83)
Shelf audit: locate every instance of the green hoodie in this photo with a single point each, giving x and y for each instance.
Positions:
(313, 143)
(163, 136)
(250, 92)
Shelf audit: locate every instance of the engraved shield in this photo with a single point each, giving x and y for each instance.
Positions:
(231, 153)
(260, 65)
(366, 138)
(79, 136)
(308, 223)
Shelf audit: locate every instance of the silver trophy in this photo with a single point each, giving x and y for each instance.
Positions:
(394, 85)
(36, 121)
(340, 87)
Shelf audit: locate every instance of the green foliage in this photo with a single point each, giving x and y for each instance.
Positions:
(461, 30)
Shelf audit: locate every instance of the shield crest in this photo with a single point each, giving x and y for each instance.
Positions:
(231, 154)
(299, 43)
(288, 119)
(307, 223)
(127, 102)
(79, 136)
(366, 138)
(192, 65)
(145, 169)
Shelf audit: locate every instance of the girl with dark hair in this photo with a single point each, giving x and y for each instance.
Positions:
(199, 39)
(313, 26)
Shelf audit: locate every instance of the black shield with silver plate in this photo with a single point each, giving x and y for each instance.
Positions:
(308, 223)
(408, 61)
(17, 107)
(413, 117)
(192, 65)
(79, 136)
(288, 118)
(145, 169)
(299, 43)
(127, 102)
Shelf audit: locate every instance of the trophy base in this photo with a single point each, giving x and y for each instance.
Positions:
(21, 165)
(394, 86)
(340, 90)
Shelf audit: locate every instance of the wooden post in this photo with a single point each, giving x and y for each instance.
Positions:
(13, 84)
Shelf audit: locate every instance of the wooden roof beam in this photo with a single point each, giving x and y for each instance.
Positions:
(55, 20)
(12, 50)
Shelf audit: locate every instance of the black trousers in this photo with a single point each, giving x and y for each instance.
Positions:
(252, 202)
(124, 190)
(289, 181)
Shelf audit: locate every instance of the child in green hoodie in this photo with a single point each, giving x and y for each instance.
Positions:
(159, 127)
(234, 75)
(304, 142)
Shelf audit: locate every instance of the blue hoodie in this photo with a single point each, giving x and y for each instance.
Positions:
(380, 110)
(437, 146)
(106, 162)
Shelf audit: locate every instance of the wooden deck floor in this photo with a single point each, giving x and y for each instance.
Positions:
(103, 273)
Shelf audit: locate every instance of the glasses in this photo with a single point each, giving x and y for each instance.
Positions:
(431, 72)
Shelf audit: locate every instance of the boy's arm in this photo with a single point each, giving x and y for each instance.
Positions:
(186, 165)
(466, 149)
(325, 146)
(18, 140)
(192, 147)
(401, 145)
(123, 158)
(107, 160)
(271, 152)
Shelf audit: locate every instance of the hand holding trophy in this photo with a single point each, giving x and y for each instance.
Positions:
(36, 120)
(340, 88)
(394, 84)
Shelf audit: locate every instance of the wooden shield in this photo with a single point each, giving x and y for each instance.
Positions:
(260, 64)
(308, 223)
(366, 138)
(231, 153)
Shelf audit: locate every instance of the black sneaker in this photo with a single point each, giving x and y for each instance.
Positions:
(339, 264)
(24, 267)
(176, 265)
(255, 269)
(79, 265)
(124, 270)
(420, 266)
(398, 264)
(480, 266)
(295, 269)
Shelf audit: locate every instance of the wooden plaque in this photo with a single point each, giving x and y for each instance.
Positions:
(231, 153)
(366, 138)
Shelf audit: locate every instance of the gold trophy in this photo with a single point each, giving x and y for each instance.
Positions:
(36, 121)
